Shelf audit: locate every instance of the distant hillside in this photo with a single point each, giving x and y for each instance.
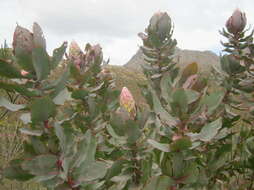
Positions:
(205, 59)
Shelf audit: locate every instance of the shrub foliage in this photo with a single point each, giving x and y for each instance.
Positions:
(81, 133)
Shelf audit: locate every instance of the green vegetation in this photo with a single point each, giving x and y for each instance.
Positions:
(68, 122)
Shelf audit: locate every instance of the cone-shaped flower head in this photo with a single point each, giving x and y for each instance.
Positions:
(127, 101)
(93, 54)
(76, 54)
(237, 22)
(74, 50)
(160, 24)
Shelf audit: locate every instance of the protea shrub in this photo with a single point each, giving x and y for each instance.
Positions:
(81, 133)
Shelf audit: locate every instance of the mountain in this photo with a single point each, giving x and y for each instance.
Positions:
(205, 59)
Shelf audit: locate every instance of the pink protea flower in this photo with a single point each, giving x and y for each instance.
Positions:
(76, 54)
(127, 101)
(74, 50)
(237, 22)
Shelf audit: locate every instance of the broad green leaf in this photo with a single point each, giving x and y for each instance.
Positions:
(192, 95)
(146, 168)
(221, 157)
(219, 162)
(202, 178)
(179, 102)
(65, 137)
(15, 172)
(60, 83)
(115, 169)
(159, 110)
(86, 152)
(160, 146)
(213, 101)
(40, 57)
(41, 63)
(62, 79)
(166, 86)
(38, 145)
(181, 144)
(75, 73)
(120, 182)
(51, 183)
(178, 164)
(93, 107)
(41, 165)
(189, 70)
(230, 65)
(42, 109)
(8, 70)
(63, 96)
(93, 171)
(133, 131)
(209, 131)
(117, 124)
(80, 94)
(160, 183)
(24, 59)
(111, 131)
(38, 37)
(166, 166)
(58, 54)
(21, 89)
(191, 173)
(10, 106)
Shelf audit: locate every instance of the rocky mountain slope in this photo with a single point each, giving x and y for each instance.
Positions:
(205, 59)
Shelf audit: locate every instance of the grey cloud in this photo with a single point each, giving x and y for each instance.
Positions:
(110, 18)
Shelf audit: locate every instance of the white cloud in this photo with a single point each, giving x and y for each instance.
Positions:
(115, 24)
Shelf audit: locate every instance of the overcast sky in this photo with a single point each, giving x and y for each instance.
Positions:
(115, 23)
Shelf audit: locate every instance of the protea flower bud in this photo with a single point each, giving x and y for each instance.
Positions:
(160, 23)
(237, 22)
(22, 41)
(94, 54)
(76, 54)
(127, 102)
(74, 50)
(97, 50)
